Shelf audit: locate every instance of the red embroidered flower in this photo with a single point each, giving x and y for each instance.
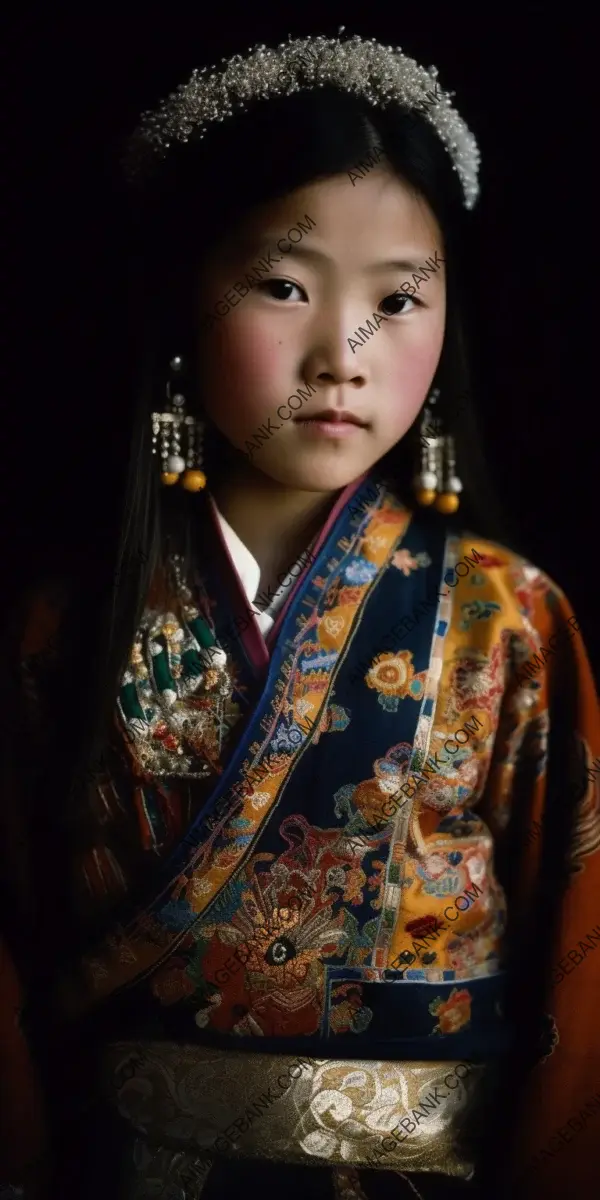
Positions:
(454, 1013)
(163, 734)
(172, 983)
(422, 925)
(490, 560)
(477, 680)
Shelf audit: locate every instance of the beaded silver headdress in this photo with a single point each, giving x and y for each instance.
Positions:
(383, 75)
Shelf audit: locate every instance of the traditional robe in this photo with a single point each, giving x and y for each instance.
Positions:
(344, 915)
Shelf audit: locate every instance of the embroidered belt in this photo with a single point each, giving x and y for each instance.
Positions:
(301, 1110)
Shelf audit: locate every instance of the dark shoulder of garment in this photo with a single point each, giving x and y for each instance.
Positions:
(34, 641)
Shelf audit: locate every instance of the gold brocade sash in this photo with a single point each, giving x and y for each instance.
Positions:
(302, 1110)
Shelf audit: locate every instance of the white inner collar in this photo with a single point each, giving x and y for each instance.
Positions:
(249, 574)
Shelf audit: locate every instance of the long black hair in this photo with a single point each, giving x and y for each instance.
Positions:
(196, 198)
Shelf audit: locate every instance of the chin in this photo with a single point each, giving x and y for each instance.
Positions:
(316, 476)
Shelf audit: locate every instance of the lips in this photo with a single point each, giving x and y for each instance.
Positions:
(334, 417)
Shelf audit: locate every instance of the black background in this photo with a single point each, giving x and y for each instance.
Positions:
(76, 82)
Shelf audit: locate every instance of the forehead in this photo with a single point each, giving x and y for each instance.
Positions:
(360, 217)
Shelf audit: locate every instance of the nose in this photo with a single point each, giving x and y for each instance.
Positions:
(340, 377)
(334, 365)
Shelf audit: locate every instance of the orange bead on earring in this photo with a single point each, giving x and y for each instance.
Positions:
(448, 500)
(194, 481)
(447, 503)
(425, 496)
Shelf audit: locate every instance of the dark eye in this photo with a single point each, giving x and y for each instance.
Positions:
(396, 298)
(276, 288)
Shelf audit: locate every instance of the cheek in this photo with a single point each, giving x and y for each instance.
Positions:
(410, 378)
(243, 372)
(412, 371)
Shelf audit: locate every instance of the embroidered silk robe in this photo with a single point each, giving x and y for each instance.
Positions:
(374, 862)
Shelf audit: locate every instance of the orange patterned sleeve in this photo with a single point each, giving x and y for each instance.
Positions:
(551, 783)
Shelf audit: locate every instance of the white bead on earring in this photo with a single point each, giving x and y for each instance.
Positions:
(173, 421)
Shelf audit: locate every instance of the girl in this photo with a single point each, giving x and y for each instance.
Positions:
(283, 908)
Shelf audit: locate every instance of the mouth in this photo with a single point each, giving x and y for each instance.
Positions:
(331, 425)
(332, 416)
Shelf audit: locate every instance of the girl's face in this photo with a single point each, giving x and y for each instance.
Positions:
(360, 241)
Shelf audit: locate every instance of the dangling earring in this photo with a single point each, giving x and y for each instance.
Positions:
(426, 481)
(170, 422)
(437, 463)
(448, 501)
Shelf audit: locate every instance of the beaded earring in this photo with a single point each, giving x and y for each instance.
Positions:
(169, 425)
(438, 463)
(448, 500)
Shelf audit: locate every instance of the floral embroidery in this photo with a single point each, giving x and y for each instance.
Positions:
(333, 625)
(172, 983)
(288, 737)
(267, 949)
(528, 582)
(454, 1013)
(394, 677)
(259, 799)
(422, 925)
(359, 570)
(478, 682)
(348, 1013)
(477, 610)
(375, 882)
(469, 948)
(371, 802)
(349, 596)
(437, 879)
(335, 719)
(368, 801)
(355, 880)
(405, 562)
(490, 560)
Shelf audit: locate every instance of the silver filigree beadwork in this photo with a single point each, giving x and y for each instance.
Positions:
(383, 75)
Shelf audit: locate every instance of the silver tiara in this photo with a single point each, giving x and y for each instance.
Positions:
(382, 74)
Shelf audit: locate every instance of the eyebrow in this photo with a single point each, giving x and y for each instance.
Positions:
(269, 241)
(400, 264)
